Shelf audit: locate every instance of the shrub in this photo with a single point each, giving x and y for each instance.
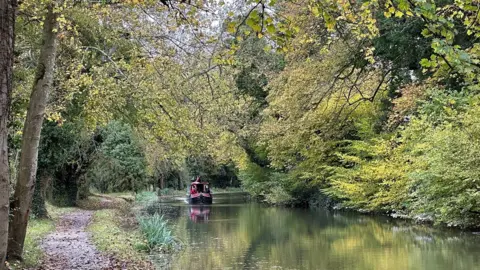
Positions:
(120, 163)
(448, 188)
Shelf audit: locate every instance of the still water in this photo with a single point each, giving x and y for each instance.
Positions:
(235, 234)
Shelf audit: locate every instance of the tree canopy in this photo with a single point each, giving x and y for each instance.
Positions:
(370, 105)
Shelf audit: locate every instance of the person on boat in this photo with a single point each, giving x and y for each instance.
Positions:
(194, 189)
(198, 179)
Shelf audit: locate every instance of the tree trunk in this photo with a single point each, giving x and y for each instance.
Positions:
(38, 204)
(161, 183)
(83, 190)
(7, 38)
(22, 198)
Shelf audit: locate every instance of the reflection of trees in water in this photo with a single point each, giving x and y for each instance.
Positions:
(230, 198)
(170, 212)
(257, 237)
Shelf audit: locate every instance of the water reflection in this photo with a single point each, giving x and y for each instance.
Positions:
(199, 214)
(237, 235)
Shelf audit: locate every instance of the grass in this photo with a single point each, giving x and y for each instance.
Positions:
(118, 232)
(114, 230)
(106, 201)
(127, 196)
(154, 227)
(109, 236)
(156, 231)
(55, 212)
(146, 197)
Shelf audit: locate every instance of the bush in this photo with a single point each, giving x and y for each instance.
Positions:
(267, 185)
(429, 168)
(120, 164)
(166, 191)
(448, 188)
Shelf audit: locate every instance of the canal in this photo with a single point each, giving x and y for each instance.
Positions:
(236, 234)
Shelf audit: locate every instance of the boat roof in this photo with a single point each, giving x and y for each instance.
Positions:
(196, 183)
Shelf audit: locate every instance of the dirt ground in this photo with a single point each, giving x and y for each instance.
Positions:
(69, 247)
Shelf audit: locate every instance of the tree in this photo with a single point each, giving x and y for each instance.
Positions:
(120, 164)
(25, 185)
(7, 23)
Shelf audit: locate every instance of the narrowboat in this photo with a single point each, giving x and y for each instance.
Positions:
(199, 193)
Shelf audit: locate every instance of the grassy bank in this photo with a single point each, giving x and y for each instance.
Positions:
(112, 235)
(154, 227)
(227, 190)
(126, 234)
(114, 231)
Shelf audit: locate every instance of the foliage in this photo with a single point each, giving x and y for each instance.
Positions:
(372, 177)
(448, 187)
(217, 174)
(120, 162)
(64, 153)
(426, 169)
(266, 185)
(156, 231)
(374, 104)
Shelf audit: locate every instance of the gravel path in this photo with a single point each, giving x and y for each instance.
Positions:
(69, 247)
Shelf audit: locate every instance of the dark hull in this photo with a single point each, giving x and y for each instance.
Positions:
(199, 200)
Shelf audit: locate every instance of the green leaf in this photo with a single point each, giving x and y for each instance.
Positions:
(271, 28)
(231, 27)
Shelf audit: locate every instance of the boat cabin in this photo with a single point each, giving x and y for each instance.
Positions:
(199, 187)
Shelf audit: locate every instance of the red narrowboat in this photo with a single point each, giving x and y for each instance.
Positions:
(199, 193)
